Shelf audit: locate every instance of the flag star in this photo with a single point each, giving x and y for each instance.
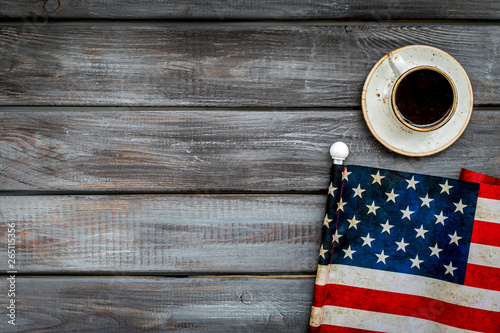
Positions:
(348, 252)
(345, 174)
(449, 269)
(327, 221)
(445, 187)
(454, 238)
(381, 257)
(416, 262)
(386, 227)
(426, 201)
(412, 182)
(358, 192)
(340, 205)
(377, 178)
(336, 236)
(367, 240)
(353, 223)
(322, 252)
(407, 213)
(331, 189)
(440, 218)
(391, 196)
(402, 245)
(435, 250)
(459, 207)
(421, 231)
(372, 208)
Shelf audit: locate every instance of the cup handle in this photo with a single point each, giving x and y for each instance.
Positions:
(397, 64)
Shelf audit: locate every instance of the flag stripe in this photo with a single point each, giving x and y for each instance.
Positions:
(316, 318)
(319, 295)
(475, 177)
(487, 210)
(338, 316)
(412, 306)
(489, 191)
(486, 233)
(322, 274)
(407, 284)
(484, 255)
(483, 277)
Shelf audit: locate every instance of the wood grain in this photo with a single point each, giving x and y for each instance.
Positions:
(242, 184)
(210, 151)
(233, 65)
(221, 10)
(159, 234)
(159, 304)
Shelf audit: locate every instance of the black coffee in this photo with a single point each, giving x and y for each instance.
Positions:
(424, 97)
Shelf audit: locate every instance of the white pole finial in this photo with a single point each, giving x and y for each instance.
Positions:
(339, 152)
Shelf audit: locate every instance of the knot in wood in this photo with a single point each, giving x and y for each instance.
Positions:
(51, 6)
(247, 297)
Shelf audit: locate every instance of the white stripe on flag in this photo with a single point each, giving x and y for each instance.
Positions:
(419, 286)
(487, 210)
(382, 322)
(322, 275)
(484, 255)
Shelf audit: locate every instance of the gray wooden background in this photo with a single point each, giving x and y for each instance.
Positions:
(166, 163)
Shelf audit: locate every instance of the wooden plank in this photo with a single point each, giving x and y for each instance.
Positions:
(210, 151)
(221, 10)
(221, 64)
(154, 304)
(159, 234)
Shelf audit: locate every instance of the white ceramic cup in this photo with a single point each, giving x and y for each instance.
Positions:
(401, 70)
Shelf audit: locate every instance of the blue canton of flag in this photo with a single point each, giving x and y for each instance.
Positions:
(405, 223)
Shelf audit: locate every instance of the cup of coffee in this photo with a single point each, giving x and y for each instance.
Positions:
(423, 98)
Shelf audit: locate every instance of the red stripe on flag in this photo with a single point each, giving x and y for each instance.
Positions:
(475, 177)
(482, 277)
(319, 296)
(412, 306)
(486, 233)
(337, 329)
(489, 191)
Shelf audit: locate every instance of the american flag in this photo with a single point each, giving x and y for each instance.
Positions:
(406, 252)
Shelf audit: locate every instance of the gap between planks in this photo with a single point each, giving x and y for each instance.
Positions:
(248, 22)
(169, 276)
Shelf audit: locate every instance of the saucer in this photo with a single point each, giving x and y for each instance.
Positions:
(384, 125)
